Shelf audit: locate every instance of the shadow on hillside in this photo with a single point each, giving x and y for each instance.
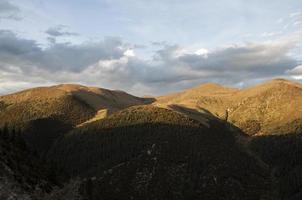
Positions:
(283, 153)
(203, 115)
(148, 100)
(193, 113)
(111, 99)
(189, 160)
(40, 134)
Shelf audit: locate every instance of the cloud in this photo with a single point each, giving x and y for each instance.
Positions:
(270, 34)
(9, 10)
(161, 43)
(59, 30)
(58, 56)
(112, 63)
(296, 72)
(295, 14)
(129, 53)
(202, 52)
(293, 21)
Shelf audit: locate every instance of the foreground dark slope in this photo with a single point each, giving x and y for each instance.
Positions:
(22, 175)
(45, 113)
(283, 154)
(153, 153)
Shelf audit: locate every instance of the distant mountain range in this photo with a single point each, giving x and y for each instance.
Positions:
(270, 108)
(207, 142)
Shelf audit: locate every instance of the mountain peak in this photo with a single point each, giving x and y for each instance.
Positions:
(210, 85)
(211, 89)
(70, 87)
(281, 81)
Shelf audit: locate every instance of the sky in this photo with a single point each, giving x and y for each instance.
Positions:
(148, 47)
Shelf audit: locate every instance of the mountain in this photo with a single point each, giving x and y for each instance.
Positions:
(146, 152)
(70, 103)
(269, 108)
(207, 97)
(45, 113)
(208, 142)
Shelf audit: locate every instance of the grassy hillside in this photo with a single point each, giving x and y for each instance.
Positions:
(271, 105)
(212, 97)
(73, 104)
(40, 103)
(46, 113)
(268, 108)
(147, 152)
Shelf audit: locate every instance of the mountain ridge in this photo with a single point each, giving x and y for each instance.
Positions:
(208, 142)
(63, 106)
(268, 105)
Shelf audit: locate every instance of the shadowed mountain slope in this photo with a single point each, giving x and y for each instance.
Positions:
(22, 175)
(283, 154)
(145, 152)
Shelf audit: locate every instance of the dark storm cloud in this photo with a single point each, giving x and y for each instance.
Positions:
(64, 56)
(8, 10)
(108, 64)
(172, 69)
(256, 60)
(229, 64)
